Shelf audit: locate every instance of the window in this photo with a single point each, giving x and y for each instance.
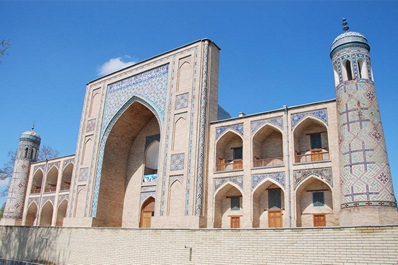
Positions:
(274, 199)
(238, 154)
(347, 65)
(235, 203)
(318, 198)
(316, 141)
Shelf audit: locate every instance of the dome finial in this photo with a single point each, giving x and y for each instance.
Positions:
(345, 27)
(33, 126)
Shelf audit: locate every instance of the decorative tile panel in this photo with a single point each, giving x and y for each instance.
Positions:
(182, 101)
(321, 114)
(237, 180)
(146, 195)
(277, 122)
(324, 174)
(67, 161)
(236, 127)
(177, 161)
(83, 174)
(46, 199)
(90, 125)
(279, 177)
(61, 198)
(56, 164)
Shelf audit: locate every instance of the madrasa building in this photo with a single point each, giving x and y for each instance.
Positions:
(155, 150)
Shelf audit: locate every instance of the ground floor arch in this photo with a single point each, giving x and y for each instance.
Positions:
(46, 214)
(147, 212)
(314, 203)
(31, 215)
(268, 205)
(228, 211)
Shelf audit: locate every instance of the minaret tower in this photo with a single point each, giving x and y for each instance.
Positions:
(28, 149)
(367, 196)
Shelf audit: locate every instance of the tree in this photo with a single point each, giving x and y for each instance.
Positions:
(46, 152)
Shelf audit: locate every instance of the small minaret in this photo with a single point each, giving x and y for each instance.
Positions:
(367, 196)
(28, 149)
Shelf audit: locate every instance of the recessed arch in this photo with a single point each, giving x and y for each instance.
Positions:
(123, 163)
(311, 141)
(180, 139)
(46, 214)
(267, 145)
(229, 151)
(227, 206)
(147, 212)
(176, 198)
(184, 76)
(347, 70)
(61, 213)
(362, 68)
(31, 214)
(67, 177)
(268, 204)
(314, 197)
(51, 180)
(37, 181)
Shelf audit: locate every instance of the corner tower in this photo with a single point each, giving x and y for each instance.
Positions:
(367, 196)
(28, 149)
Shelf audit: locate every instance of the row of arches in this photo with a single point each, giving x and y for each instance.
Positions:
(347, 70)
(268, 143)
(46, 216)
(50, 182)
(269, 204)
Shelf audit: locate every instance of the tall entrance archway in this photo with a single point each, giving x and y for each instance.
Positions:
(123, 166)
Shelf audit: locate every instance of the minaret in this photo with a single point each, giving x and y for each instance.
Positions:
(28, 149)
(367, 196)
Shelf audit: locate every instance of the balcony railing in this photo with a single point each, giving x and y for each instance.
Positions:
(150, 178)
(267, 162)
(50, 188)
(313, 156)
(234, 164)
(36, 190)
(65, 186)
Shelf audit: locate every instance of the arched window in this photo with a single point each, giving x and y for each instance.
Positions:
(347, 65)
(362, 69)
(26, 153)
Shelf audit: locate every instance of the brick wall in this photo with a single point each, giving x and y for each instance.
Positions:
(355, 245)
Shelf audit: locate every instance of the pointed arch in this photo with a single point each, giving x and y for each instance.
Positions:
(362, 68)
(336, 75)
(37, 181)
(227, 205)
(314, 197)
(51, 180)
(180, 139)
(95, 103)
(347, 70)
(123, 162)
(268, 204)
(267, 145)
(46, 214)
(184, 76)
(176, 198)
(311, 141)
(87, 151)
(31, 215)
(147, 211)
(229, 151)
(61, 213)
(67, 177)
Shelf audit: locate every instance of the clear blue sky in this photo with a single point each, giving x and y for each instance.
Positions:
(273, 53)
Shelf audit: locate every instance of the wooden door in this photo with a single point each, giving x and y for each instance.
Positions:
(146, 219)
(235, 222)
(319, 220)
(274, 218)
(316, 155)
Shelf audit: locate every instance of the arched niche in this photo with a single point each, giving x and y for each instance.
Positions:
(46, 214)
(52, 180)
(147, 212)
(61, 213)
(267, 147)
(229, 152)
(31, 214)
(228, 207)
(66, 177)
(37, 182)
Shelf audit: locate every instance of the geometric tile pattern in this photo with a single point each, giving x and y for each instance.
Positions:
(177, 161)
(83, 176)
(67, 161)
(364, 168)
(202, 133)
(150, 86)
(182, 101)
(277, 121)
(279, 177)
(90, 125)
(235, 127)
(218, 182)
(324, 174)
(321, 114)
